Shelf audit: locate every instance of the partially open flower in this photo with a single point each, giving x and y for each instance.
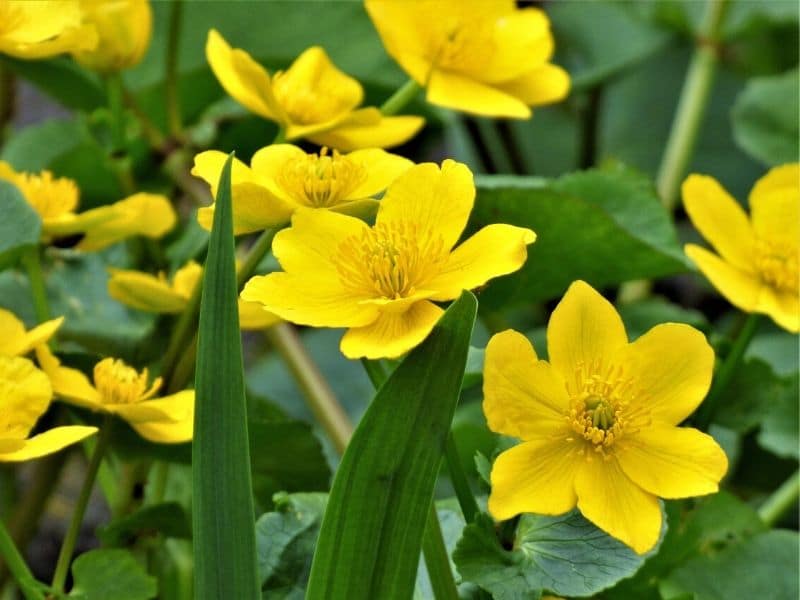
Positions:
(124, 28)
(44, 28)
(15, 340)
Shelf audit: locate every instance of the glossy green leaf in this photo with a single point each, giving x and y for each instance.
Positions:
(372, 532)
(20, 226)
(62, 79)
(169, 519)
(781, 422)
(104, 574)
(641, 316)
(222, 500)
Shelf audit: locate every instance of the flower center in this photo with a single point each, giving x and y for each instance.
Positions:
(321, 180)
(51, 197)
(120, 384)
(308, 103)
(468, 47)
(391, 260)
(777, 263)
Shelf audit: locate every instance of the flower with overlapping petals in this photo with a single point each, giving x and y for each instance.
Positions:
(283, 178)
(124, 28)
(756, 268)
(121, 390)
(45, 28)
(312, 99)
(484, 58)
(25, 394)
(16, 340)
(381, 282)
(599, 419)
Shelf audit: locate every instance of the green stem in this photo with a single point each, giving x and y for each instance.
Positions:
(397, 101)
(18, 567)
(182, 333)
(723, 376)
(151, 132)
(255, 255)
(280, 137)
(68, 546)
(319, 396)
(780, 500)
(437, 560)
(32, 262)
(495, 146)
(114, 89)
(691, 105)
(172, 95)
(8, 93)
(466, 499)
(375, 371)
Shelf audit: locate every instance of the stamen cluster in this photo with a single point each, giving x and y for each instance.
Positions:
(323, 179)
(777, 264)
(118, 383)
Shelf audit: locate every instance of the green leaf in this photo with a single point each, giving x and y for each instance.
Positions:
(168, 518)
(566, 555)
(752, 392)
(641, 316)
(765, 118)
(603, 225)
(781, 423)
(62, 79)
(764, 567)
(371, 536)
(222, 500)
(104, 574)
(20, 226)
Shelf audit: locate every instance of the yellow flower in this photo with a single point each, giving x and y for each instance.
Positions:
(283, 177)
(43, 29)
(756, 269)
(155, 294)
(485, 58)
(312, 99)
(25, 394)
(55, 199)
(122, 391)
(380, 281)
(124, 28)
(16, 341)
(599, 420)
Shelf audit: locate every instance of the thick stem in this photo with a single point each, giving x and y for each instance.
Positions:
(466, 499)
(437, 560)
(31, 261)
(375, 371)
(781, 500)
(68, 546)
(182, 333)
(18, 567)
(172, 95)
(115, 91)
(691, 105)
(398, 101)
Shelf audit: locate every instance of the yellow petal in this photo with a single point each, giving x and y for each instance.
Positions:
(169, 409)
(270, 164)
(777, 178)
(43, 29)
(124, 27)
(673, 462)
(149, 215)
(25, 393)
(584, 329)
(543, 85)
(301, 299)
(171, 432)
(41, 334)
(435, 200)
(15, 341)
(775, 204)
(493, 251)
(144, 292)
(381, 168)
(186, 279)
(391, 334)
(781, 306)
(208, 166)
(610, 500)
(720, 219)
(253, 316)
(534, 477)
(245, 80)
(255, 208)
(367, 128)
(364, 210)
(459, 92)
(523, 396)
(670, 367)
(741, 288)
(70, 384)
(48, 442)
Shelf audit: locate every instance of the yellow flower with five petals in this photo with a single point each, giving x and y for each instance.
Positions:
(598, 419)
(381, 281)
(120, 390)
(312, 99)
(15, 340)
(124, 28)
(25, 394)
(45, 28)
(484, 58)
(757, 266)
(282, 178)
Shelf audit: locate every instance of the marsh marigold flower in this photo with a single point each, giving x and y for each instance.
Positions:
(123, 27)
(154, 293)
(121, 390)
(55, 199)
(283, 178)
(756, 268)
(381, 281)
(44, 28)
(312, 99)
(25, 394)
(15, 340)
(598, 420)
(482, 57)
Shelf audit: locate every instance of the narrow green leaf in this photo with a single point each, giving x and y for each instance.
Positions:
(222, 502)
(20, 226)
(371, 535)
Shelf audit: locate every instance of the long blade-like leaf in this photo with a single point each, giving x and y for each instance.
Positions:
(222, 502)
(371, 535)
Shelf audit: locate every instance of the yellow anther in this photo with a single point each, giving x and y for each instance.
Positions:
(120, 384)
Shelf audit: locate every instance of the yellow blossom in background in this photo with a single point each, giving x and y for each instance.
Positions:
(42, 29)
(15, 340)
(381, 281)
(485, 58)
(55, 199)
(282, 178)
(124, 28)
(156, 294)
(757, 265)
(120, 390)
(599, 419)
(312, 99)
(25, 394)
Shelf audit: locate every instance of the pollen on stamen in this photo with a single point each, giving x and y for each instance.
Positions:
(322, 180)
(119, 383)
